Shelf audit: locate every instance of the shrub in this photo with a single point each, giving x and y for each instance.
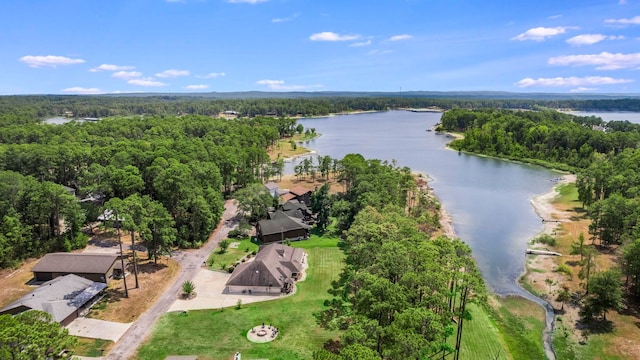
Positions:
(565, 269)
(239, 304)
(188, 288)
(545, 239)
(230, 269)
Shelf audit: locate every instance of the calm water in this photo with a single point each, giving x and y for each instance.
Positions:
(488, 199)
(633, 117)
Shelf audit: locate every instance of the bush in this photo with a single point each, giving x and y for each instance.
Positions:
(230, 269)
(565, 269)
(545, 239)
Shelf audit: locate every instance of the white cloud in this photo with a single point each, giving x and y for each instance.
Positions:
(553, 17)
(49, 60)
(571, 81)
(81, 90)
(400, 37)
(379, 52)
(362, 43)
(582, 89)
(196, 87)
(146, 82)
(590, 39)
(629, 21)
(126, 74)
(171, 73)
(602, 61)
(246, 1)
(331, 36)
(540, 33)
(279, 85)
(110, 67)
(212, 75)
(285, 19)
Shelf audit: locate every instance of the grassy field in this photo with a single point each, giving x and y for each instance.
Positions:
(218, 334)
(520, 323)
(480, 337)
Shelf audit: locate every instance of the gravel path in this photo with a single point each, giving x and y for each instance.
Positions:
(190, 264)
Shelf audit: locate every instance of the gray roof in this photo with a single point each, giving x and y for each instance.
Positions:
(271, 186)
(280, 223)
(78, 263)
(295, 208)
(273, 265)
(59, 297)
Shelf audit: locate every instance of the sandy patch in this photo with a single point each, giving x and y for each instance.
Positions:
(98, 329)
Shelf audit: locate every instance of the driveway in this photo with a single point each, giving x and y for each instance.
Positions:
(210, 287)
(190, 263)
(98, 329)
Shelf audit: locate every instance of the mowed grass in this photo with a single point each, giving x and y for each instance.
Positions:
(480, 337)
(218, 334)
(92, 347)
(520, 323)
(221, 261)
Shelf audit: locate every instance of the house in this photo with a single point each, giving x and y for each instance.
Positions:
(94, 267)
(64, 298)
(296, 209)
(274, 270)
(70, 190)
(299, 193)
(280, 227)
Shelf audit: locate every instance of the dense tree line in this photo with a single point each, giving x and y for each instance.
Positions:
(402, 294)
(566, 141)
(178, 165)
(36, 108)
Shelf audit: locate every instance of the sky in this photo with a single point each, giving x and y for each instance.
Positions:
(122, 46)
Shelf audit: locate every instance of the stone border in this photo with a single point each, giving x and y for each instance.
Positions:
(262, 333)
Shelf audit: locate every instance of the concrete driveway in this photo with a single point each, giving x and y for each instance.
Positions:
(209, 288)
(97, 329)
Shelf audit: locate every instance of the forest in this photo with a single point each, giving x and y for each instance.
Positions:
(604, 155)
(175, 170)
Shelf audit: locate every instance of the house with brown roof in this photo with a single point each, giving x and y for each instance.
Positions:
(299, 193)
(95, 267)
(64, 298)
(274, 270)
(280, 227)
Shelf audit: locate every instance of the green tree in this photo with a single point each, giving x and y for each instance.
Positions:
(564, 295)
(254, 201)
(32, 335)
(605, 295)
(577, 247)
(588, 266)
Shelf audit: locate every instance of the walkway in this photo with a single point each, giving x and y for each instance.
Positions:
(98, 329)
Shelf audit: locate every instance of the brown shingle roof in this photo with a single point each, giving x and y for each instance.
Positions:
(280, 223)
(75, 263)
(273, 265)
(299, 190)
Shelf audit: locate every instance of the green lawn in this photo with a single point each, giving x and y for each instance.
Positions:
(480, 337)
(218, 334)
(220, 261)
(520, 323)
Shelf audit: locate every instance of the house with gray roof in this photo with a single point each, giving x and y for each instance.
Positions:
(64, 298)
(296, 209)
(280, 227)
(274, 270)
(95, 267)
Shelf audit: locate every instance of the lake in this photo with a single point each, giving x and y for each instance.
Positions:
(489, 199)
(633, 117)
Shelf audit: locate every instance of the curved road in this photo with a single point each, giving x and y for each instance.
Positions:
(190, 263)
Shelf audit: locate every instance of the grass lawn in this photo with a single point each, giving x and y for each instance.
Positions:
(218, 334)
(218, 261)
(92, 347)
(520, 323)
(480, 337)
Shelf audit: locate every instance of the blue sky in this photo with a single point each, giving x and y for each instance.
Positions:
(118, 46)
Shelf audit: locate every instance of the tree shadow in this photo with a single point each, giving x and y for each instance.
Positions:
(150, 267)
(596, 326)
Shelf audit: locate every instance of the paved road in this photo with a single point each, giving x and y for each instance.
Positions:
(190, 263)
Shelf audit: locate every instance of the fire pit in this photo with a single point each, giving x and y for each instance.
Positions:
(262, 333)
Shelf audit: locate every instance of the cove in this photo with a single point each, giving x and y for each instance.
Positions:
(488, 199)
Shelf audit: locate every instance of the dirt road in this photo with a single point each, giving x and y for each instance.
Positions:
(190, 262)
